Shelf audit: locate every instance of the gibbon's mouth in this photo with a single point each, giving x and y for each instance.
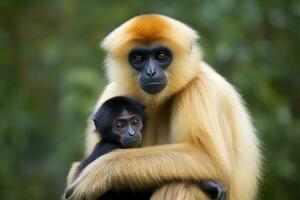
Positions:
(132, 143)
(154, 87)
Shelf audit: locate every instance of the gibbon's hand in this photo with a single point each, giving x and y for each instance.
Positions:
(90, 184)
(214, 189)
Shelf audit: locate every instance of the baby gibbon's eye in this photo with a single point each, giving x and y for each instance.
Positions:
(119, 125)
(135, 122)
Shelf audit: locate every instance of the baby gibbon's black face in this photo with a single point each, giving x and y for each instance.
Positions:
(120, 120)
(127, 129)
(151, 63)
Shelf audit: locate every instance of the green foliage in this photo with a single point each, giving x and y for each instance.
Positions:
(51, 76)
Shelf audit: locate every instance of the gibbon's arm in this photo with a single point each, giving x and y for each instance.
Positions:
(143, 168)
(201, 115)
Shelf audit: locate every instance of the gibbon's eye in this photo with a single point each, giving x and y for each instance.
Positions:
(138, 58)
(119, 125)
(161, 56)
(135, 122)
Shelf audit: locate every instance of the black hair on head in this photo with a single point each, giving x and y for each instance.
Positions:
(112, 108)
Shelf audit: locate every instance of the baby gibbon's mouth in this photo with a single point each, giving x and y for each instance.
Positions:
(132, 143)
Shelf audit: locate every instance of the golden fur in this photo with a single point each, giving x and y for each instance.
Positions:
(198, 127)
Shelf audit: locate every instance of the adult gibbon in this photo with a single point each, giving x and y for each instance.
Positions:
(198, 128)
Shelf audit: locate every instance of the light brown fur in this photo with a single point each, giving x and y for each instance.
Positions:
(179, 191)
(197, 128)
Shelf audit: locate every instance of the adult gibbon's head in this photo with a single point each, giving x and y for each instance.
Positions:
(152, 55)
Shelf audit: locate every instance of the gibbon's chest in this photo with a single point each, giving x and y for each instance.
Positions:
(157, 130)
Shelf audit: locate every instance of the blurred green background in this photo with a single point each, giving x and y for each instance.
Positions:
(51, 75)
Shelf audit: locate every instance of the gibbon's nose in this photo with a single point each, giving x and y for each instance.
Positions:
(131, 132)
(150, 71)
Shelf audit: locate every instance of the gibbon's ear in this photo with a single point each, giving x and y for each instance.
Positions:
(94, 119)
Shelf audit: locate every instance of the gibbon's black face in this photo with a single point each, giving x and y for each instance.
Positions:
(127, 129)
(151, 63)
(120, 120)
